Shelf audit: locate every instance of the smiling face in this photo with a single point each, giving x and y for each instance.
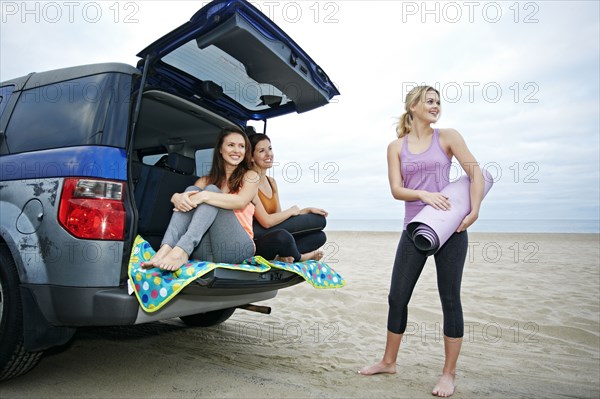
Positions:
(428, 109)
(233, 149)
(263, 154)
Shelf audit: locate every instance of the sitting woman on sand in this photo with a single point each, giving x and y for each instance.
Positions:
(306, 225)
(212, 220)
(417, 151)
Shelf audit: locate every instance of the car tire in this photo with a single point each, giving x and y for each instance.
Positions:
(208, 319)
(14, 358)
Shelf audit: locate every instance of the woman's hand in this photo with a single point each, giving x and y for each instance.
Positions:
(316, 211)
(467, 221)
(294, 211)
(183, 202)
(437, 200)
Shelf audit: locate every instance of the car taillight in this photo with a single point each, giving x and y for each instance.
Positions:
(92, 209)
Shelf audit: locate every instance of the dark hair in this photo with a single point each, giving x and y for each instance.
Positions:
(257, 138)
(217, 171)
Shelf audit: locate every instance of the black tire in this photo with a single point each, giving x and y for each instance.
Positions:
(208, 319)
(14, 358)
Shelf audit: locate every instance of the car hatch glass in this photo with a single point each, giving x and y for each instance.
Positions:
(213, 64)
(237, 61)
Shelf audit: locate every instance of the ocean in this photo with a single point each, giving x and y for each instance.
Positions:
(480, 226)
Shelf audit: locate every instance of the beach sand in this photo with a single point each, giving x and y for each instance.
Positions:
(531, 307)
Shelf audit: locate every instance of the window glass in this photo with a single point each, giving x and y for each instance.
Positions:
(204, 161)
(89, 110)
(213, 64)
(153, 159)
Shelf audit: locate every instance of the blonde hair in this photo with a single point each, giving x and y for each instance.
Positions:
(412, 98)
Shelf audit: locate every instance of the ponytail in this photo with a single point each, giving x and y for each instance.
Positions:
(404, 125)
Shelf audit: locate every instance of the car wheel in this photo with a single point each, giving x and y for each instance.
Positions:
(208, 319)
(14, 358)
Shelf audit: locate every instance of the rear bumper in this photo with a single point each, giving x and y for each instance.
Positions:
(110, 306)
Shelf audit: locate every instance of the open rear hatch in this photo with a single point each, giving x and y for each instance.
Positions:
(233, 59)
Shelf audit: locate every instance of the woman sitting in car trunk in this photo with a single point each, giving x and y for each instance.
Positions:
(212, 220)
(306, 225)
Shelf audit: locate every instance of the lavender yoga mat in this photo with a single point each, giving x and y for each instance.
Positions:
(431, 228)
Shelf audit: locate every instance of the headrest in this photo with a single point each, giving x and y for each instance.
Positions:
(181, 164)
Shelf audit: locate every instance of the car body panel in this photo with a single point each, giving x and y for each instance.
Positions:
(83, 161)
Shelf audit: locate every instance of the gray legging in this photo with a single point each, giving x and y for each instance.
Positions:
(408, 265)
(209, 233)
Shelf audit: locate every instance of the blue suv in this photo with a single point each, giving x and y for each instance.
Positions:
(91, 155)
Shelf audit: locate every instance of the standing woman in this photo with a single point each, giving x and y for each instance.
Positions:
(418, 169)
(306, 225)
(212, 220)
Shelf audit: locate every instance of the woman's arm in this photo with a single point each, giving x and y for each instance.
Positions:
(275, 193)
(471, 167)
(267, 220)
(182, 202)
(187, 201)
(399, 192)
(235, 201)
(316, 211)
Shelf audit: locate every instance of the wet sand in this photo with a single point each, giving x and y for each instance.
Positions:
(531, 304)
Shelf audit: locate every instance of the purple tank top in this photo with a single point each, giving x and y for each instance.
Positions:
(429, 171)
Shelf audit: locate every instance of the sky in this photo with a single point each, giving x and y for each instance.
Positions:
(519, 81)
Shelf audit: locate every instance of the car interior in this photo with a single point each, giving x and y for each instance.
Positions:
(169, 133)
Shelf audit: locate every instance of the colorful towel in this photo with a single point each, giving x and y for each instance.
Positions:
(154, 287)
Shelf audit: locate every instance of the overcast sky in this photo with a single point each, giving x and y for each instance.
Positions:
(519, 80)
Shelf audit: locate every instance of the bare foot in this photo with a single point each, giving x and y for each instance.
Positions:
(445, 385)
(284, 259)
(313, 255)
(378, 368)
(176, 258)
(157, 258)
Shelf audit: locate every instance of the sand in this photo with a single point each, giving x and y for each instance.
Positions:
(531, 306)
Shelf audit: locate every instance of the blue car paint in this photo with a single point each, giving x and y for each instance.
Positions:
(85, 161)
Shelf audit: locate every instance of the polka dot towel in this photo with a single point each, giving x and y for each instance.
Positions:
(154, 287)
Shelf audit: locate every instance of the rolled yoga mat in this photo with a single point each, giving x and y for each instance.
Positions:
(431, 228)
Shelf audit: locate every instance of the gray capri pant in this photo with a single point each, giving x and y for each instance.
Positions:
(209, 233)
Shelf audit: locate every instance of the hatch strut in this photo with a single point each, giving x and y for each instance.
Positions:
(131, 187)
(138, 101)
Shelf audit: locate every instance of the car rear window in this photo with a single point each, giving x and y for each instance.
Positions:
(213, 64)
(91, 110)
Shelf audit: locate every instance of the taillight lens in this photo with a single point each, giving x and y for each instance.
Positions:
(92, 209)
